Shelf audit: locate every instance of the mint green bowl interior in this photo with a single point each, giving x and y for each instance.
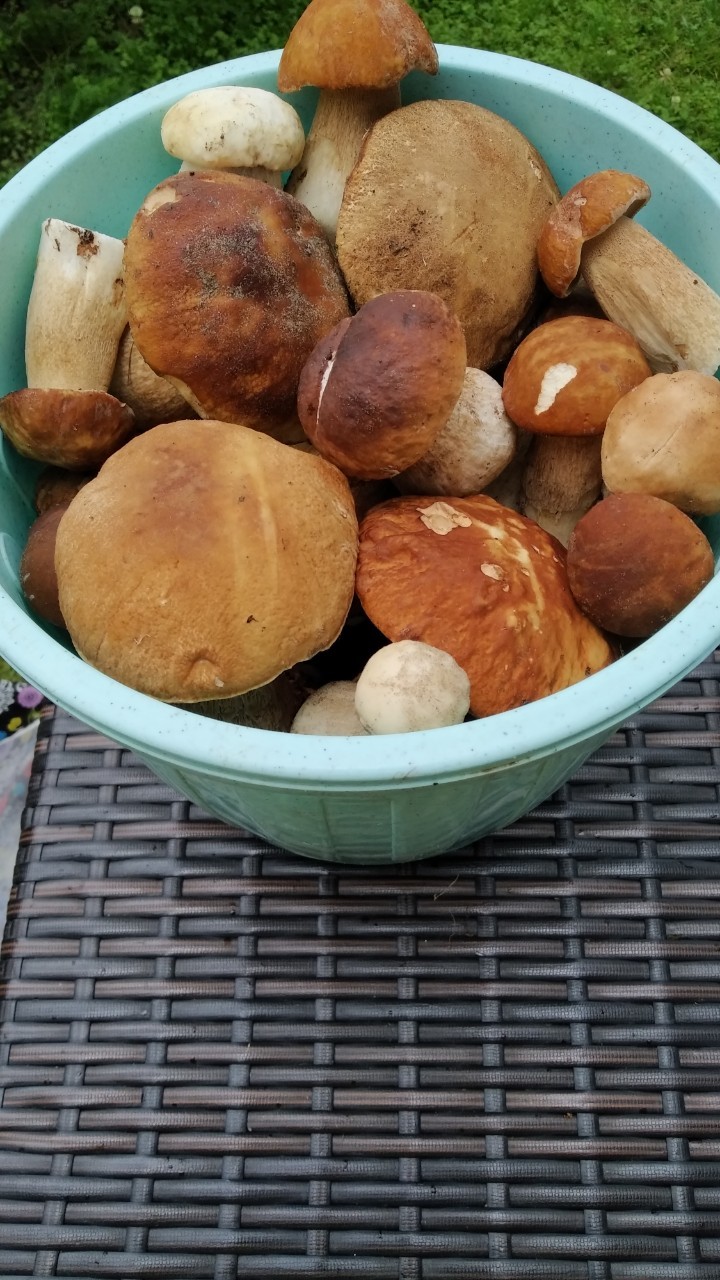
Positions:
(391, 798)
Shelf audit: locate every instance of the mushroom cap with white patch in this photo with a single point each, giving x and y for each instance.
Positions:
(232, 127)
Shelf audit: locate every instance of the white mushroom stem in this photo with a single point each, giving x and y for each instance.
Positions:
(272, 177)
(76, 312)
(643, 286)
(561, 481)
(342, 118)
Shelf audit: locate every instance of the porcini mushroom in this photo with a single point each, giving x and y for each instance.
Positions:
(635, 561)
(474, 447)
(663, 438)
(152, 399)
(584, 212)
(449, 198)
(380, 386)
(561, 480)
(76, 311)
(484, 584)
(204, 559)
(330, 710)
(566, 375)
(75, 430)
(230, 285)
(409, 686)
(643, 286)
(356, 52)
(245, 130)
(38, 577)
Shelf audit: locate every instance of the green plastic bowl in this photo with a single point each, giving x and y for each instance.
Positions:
(386, 799)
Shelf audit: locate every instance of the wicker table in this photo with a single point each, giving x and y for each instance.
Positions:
(220, 1060)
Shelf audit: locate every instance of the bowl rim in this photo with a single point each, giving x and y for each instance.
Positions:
(268, 758)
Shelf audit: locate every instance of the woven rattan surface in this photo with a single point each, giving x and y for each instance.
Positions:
(221, 1060)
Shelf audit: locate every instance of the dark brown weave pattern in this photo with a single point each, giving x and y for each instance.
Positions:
(221, 1060)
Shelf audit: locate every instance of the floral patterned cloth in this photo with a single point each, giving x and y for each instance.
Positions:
(20, 703)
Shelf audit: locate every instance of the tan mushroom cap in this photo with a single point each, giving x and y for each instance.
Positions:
(449, 198)
(230, 284)
(663, 438)
(585, 211)
(486, 585)
(76, 430)
(355, 44)
(204, 559)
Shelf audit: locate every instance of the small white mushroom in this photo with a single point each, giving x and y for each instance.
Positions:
(476, 444)
(247, 131)
(409, 686)
(330, 710)
(507, 488)
(76, 313)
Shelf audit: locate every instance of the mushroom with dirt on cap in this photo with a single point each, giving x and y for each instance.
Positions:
(449, 198)
(355, 52)
(242, 130)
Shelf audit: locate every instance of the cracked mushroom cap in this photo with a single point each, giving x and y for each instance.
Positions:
(204, 559)
(230, 284)
(486, 585)
(355, 44)
(449, 198)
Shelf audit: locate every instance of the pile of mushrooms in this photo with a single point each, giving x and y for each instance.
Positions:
(316, 452)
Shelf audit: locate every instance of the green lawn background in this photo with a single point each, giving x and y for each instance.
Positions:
(63, 62)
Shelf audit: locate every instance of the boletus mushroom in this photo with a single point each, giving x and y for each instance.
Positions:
(484, 584)
(232, 127)
(230, 285)
(204, 559)
(355, 52)
(449, 198)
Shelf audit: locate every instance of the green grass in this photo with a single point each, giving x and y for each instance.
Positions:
(64, 62)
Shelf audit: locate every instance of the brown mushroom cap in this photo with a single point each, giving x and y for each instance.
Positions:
(205, 559)
(585, 211)
(378, 389)
(355, 44)
(663, 438)
(488, 586)
(635, 561)
(38, 578)
(449, 198)
(55, 487)
(230, 284)
(76, 430)
(567, 375)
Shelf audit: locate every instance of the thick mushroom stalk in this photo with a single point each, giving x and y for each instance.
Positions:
(645, 288)
(342, 119)
(561, 482)
(355, 52)
(76, 312)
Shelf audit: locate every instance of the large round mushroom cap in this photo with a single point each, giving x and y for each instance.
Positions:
(230, 284)
(204, 559)
(355, 44)
(486, 585)
(449, 198)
